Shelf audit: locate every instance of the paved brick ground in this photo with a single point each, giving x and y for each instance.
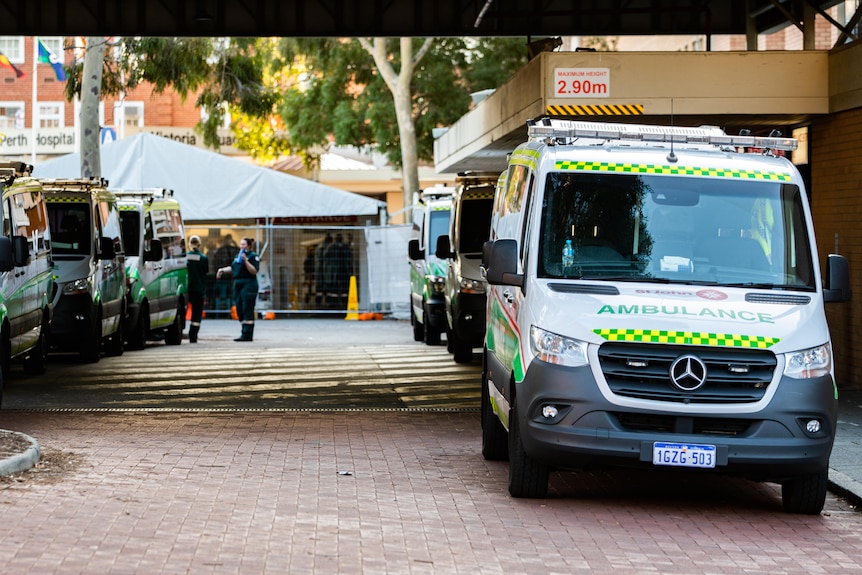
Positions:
(375, 492)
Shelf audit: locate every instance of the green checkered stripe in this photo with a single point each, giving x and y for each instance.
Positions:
(672, 170)
(687, 338)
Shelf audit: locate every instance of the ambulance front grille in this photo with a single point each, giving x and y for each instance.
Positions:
(642, 371)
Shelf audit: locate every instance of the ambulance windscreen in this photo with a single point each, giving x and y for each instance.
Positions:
(673, 229)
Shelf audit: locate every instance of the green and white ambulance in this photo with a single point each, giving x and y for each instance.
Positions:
(461, 248)
(427, 271)
(26, 274)
(156, 268)
(89, 265)
(657, 302)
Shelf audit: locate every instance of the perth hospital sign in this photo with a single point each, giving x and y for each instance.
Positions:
(60, 141)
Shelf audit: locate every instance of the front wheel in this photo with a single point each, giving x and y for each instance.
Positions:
(527, 477)
(137, 339)
(90, 345)
(115, 345)
(418, 329)
(36, 361)
(462, 352)
(432, 336)
(805, 494)
(494, 441)
(174, 334)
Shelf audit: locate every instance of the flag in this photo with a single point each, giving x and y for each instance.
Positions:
(5, 63)
(48, 57)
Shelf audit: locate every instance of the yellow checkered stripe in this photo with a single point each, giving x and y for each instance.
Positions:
(82, 199)
(479, 195)
(441, 208)
(687, 338)
(127, 208)
(672, 170)
(596, 110)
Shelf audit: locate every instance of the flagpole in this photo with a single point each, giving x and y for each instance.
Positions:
(34, 105)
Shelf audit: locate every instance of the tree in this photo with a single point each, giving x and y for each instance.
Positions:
(91, 160)
(223, 75)
(342, 94)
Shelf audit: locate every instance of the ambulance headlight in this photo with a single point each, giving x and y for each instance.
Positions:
(77, 287)
(472, 286)
(557, 349)
(438, 285)
(809, 363)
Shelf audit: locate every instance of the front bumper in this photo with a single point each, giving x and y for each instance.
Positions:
(769, 445)
(73, 319)
(435, 312)
(468, 318)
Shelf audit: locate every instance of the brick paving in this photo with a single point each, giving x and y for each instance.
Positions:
(376, 492)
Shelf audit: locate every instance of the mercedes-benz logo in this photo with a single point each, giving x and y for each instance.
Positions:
(688, 373)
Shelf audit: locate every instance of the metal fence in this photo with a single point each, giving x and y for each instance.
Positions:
(313, 269)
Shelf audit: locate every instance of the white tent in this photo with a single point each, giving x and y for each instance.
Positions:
(212, 187)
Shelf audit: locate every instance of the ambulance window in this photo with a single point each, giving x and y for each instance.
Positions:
(437, 226)
(109, 224)
(526, 225)
(7, 220)
(474, 223)
(70, 225)
(130, 222)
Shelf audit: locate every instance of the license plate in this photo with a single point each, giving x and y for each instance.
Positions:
(683, 455)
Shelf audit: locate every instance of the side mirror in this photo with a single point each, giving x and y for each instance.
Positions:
(153, 251)
(7, 261)
(837, 281)
(503, 264)
(444, 248)
(106, 249)
(20, 250)
(413, 250)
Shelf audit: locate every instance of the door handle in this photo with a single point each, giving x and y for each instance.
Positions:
(508, 296)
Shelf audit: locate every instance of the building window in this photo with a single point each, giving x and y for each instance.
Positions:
(13, 47)
(129, 114)
(12, 115)
(51, 115)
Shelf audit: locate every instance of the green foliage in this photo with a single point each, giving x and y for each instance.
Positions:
(343, 96)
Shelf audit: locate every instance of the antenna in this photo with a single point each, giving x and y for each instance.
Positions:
(671, 157)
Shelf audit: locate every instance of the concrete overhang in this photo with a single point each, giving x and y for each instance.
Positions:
(754, 90)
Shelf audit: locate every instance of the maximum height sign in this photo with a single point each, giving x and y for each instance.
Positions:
(582, 82)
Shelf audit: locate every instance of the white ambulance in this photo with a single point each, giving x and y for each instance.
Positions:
(156, 266)
(427, 272)
(657, 302)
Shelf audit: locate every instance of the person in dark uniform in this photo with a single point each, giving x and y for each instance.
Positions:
(199, 267)
(244, 269)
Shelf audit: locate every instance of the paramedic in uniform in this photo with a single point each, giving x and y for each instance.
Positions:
(244, 269)
(199, 268)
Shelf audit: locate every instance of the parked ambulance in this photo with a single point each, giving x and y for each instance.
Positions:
(427, 271)
(657, 302)
(89, 265)
(26, 281)
(461, 248)
(156, 267)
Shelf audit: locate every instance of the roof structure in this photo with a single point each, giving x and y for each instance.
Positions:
(210, 186)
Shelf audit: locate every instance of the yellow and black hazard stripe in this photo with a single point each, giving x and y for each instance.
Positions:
(595, 110)
(687, 338)
(479, 195)
(81, 199)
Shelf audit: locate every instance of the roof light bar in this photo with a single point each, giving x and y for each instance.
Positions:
(646, 133)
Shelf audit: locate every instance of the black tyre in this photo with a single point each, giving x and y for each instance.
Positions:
(462, 352)
(137, 338)
(418, 329)
(174, 334)
(527, 477)
(116, 343)
(432, 336)
(36, 361)
(90, 347)
(805, 494)
(494, 436)
(5, 353)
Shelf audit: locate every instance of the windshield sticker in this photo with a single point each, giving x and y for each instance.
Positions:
(672, 170)
(710, 294)
(666, 310)
(687, 338)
